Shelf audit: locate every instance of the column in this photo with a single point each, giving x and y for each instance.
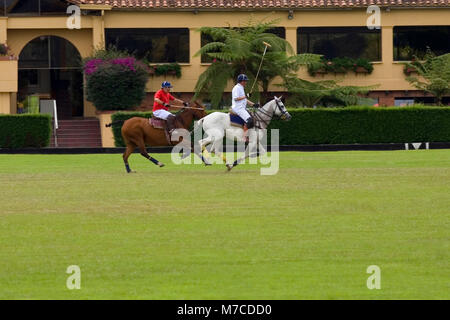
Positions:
(98, 32)
(3, 29)
(194, 45)
(291, 37)
(387, 44)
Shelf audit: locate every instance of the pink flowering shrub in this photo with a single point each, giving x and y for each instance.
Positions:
(115, 83)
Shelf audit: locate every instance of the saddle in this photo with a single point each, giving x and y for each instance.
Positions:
(236, 120)
(159, 123)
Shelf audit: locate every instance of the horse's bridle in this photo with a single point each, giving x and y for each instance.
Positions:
(283, 112)
(266, 122)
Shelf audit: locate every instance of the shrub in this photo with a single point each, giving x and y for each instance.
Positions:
(365, 125)
(115, 83)
(119, 118)
(20, 131)
(348, 125)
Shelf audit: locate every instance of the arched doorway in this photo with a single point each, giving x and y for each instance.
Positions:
(49, 67)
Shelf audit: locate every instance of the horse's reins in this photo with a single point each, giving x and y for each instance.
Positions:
(193, 108)
(269, 116)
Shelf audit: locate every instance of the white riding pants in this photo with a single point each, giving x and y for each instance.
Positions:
(242, 112)
(162, 114)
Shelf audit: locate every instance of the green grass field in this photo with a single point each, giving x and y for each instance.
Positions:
(194, 232)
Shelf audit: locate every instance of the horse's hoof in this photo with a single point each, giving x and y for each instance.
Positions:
(229, 167)
(161, 164)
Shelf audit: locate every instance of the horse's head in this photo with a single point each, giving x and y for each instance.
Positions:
(280, 109)
(196, 110)
(199, 111)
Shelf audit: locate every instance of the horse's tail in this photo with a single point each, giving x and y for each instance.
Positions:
(114, 123)
(199, 124)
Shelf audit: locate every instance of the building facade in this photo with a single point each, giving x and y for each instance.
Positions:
(48, 51)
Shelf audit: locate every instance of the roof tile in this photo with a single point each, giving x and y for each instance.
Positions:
(248, 4)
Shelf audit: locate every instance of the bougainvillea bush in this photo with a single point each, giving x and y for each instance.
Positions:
(115, 83)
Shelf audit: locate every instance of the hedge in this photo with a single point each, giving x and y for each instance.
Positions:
(120, 117)
(349, 125)
(21, 131)
(365, 125)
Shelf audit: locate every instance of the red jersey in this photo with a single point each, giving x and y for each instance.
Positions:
(164, 97)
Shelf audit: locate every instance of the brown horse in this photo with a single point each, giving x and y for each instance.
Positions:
(139, 133)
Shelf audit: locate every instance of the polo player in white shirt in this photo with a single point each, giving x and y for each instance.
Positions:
(239, 101)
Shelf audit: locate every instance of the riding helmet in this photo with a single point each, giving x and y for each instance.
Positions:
(166, 84)
(242, 77)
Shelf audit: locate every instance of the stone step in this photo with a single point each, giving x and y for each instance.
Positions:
(78, 133)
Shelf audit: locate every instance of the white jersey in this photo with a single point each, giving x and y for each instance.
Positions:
(238, 91)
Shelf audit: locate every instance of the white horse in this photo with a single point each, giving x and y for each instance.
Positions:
(216, 125)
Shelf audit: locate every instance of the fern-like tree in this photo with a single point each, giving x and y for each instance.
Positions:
(433, 75)
(309, 94)
(239, 50)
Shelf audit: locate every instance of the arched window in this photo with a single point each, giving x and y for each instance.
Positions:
(50, 68)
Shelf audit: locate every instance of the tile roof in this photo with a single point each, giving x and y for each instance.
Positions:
(261, 4)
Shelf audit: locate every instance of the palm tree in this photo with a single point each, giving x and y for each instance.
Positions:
(239, 50)
(434, 75)
(309, 94)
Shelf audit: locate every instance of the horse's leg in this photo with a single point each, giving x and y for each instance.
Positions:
(129, 150)
(252, 145)
(204, 153)
(217, 148)
(147, 156)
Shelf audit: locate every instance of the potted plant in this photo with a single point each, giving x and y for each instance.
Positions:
(173, 69)
(341, 65)
(151, 70)
(318, 67)
(362, 65)
(4, 50)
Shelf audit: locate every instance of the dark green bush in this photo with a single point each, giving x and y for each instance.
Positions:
(116, 84)
(118, 118)
(365, 125)
(21, 131)
(348, 125)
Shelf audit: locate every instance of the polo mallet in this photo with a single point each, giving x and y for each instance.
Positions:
(267, 45)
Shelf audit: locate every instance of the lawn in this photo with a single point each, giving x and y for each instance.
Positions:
(195, 232)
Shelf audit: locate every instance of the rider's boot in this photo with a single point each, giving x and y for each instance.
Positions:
(170, 125)
(248, 125)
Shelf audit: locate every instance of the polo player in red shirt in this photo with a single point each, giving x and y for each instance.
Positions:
(161, 106)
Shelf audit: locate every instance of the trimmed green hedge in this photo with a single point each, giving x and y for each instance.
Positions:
(120, 117)
(21, 131)
(349, 125)
(365, 125)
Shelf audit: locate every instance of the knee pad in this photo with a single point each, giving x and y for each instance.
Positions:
(250, 123)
